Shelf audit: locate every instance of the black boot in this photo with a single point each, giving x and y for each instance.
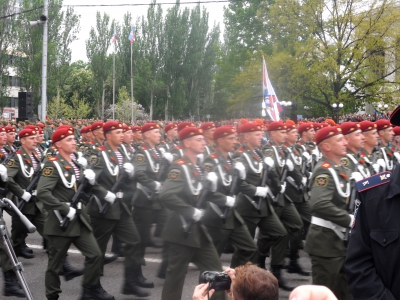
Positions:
(294, 266)
(162, 271)
(95, 292)
(110, 259)
(25, 253)
(276, 271)
(130, 286)
(261, 261)
(69, 272)
(140, 280)
(229, 249)
(11, 286)
(27, 249)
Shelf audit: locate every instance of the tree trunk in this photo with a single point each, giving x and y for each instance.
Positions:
(166, 105)
(102, 99)
(151, 102)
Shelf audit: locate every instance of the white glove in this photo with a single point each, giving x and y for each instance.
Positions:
(200, 157)
(129, 169)
(110, 197)
(213, 178)
(80, 154)
(376, 168)
(242, 170)
(71, 213)
(168, 156)
(283, 188)
(356, 176)
(261, 191)
(269, 162)
(382, 163)
(82, 161)
(309, 175)
(26, 196)
(90, 176)
(290, 165)
(316, 153)
(351, 221)
(304, 181)
(158, 186)
(307, 157)
(3, 173)
(397, 155)
(230, 201)
(198, 214)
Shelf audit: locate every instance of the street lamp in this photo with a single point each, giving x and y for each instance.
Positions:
(336, 108)
(382, 108)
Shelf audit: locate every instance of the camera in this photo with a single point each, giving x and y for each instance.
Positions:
(219, 281)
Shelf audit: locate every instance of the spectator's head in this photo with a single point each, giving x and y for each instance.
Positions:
(254, 283)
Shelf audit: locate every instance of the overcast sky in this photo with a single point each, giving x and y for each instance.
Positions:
(88, 16)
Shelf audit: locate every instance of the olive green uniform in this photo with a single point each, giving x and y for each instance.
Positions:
(232, 229)
(325, 246)
(56, 196)
(179, 194)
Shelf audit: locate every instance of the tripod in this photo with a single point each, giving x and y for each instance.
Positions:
(17, 266)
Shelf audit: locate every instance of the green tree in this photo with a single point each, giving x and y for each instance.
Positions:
(57, 108)
(79, 108)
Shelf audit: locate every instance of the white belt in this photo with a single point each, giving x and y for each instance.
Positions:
(339, 230)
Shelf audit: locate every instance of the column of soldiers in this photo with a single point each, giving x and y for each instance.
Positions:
(202, 187)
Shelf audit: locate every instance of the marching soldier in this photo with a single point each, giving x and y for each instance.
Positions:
(180, 193)
(221, 204)
(371, 149)
(9, 147)
(137, 137)
(56, 188)
(330, 188)
(208, 132)
(385, 132)
(177, 151)
(171, 132)
(117, 218)
(126, 146)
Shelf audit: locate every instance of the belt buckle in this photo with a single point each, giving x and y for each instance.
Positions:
(120, 195)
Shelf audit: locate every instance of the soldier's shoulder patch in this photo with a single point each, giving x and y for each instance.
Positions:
(321, 180)
(101, 148)
(174, 174)
(47, 171)
(240, 150)
(140, 157)
(93, 159)
(214, 155)
(181, 161)
(208, 167)
(144, 147)
(326, 165)
(268, 152)
(18, 152)
(11, 163)
(345, 161)
(179, 147)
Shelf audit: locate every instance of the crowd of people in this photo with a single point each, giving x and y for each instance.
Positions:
(206, 186)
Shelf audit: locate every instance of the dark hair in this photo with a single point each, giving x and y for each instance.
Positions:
(254, 283)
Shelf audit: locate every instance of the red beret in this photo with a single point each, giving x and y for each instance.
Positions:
(324, 124)
(27, 132)
(170, 126)
(243, 121)
(349, 127)
(383, 124)
(97, 125)
(2, 129)
(63, 126)
(83, 129)
(183, 125)
(207, 125)
(396, 130)
(305, 127)
(367, 126)
(111, 125)
(62, 133)
(223, 131)
(41, 125)
(317, 126)
(330, 122)
(249, 127)
(259, 122)
(150, 126)
(126, 128)
(275, 126)
(290, 125)
(326, 133)
(189, 132)
(34, 127)
(136, 128)
(395, 116)
(41, 131)
(89, 128)
(10, 129)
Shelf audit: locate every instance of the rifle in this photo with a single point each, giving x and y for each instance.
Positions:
(305, 173)
(114, 190)
(264, 180)
(9, 157)
(31, 187)
(283, 177)
(352, 199)
(232, 192)
(375, 152)
(79, 194)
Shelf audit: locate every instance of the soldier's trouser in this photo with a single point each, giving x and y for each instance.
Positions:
(304, 210)
(330, 272)
(246, 249)
(205, 258)
(272, 232)
(18, 230)
(291, 219)
(124, 230)
(58, 247)
(5, 260)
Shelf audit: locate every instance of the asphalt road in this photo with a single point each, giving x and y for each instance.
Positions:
(113, 279)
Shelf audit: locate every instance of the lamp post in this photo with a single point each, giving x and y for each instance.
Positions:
(336, 108)
(287, 104)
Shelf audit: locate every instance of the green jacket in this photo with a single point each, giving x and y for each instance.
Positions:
(294, 192)
(329, 205)
(351, 159)
(217, 163)
(20, 172)
(55, 195)
(180, 193)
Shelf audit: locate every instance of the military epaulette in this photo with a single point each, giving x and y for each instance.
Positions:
(18, 152)
(179, 147)
(102, 148)
(91, 142)
(53, 158)
(300, 143)
(373, 181)
(144, 147)
(362, 154)
(214, 155)
(326, 165)
(181, 161)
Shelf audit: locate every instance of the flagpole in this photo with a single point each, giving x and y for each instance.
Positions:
(132, 78)
(113, 110)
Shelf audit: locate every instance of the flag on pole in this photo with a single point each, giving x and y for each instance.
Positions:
(270, 100)
(132, 35)
(115, 36)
